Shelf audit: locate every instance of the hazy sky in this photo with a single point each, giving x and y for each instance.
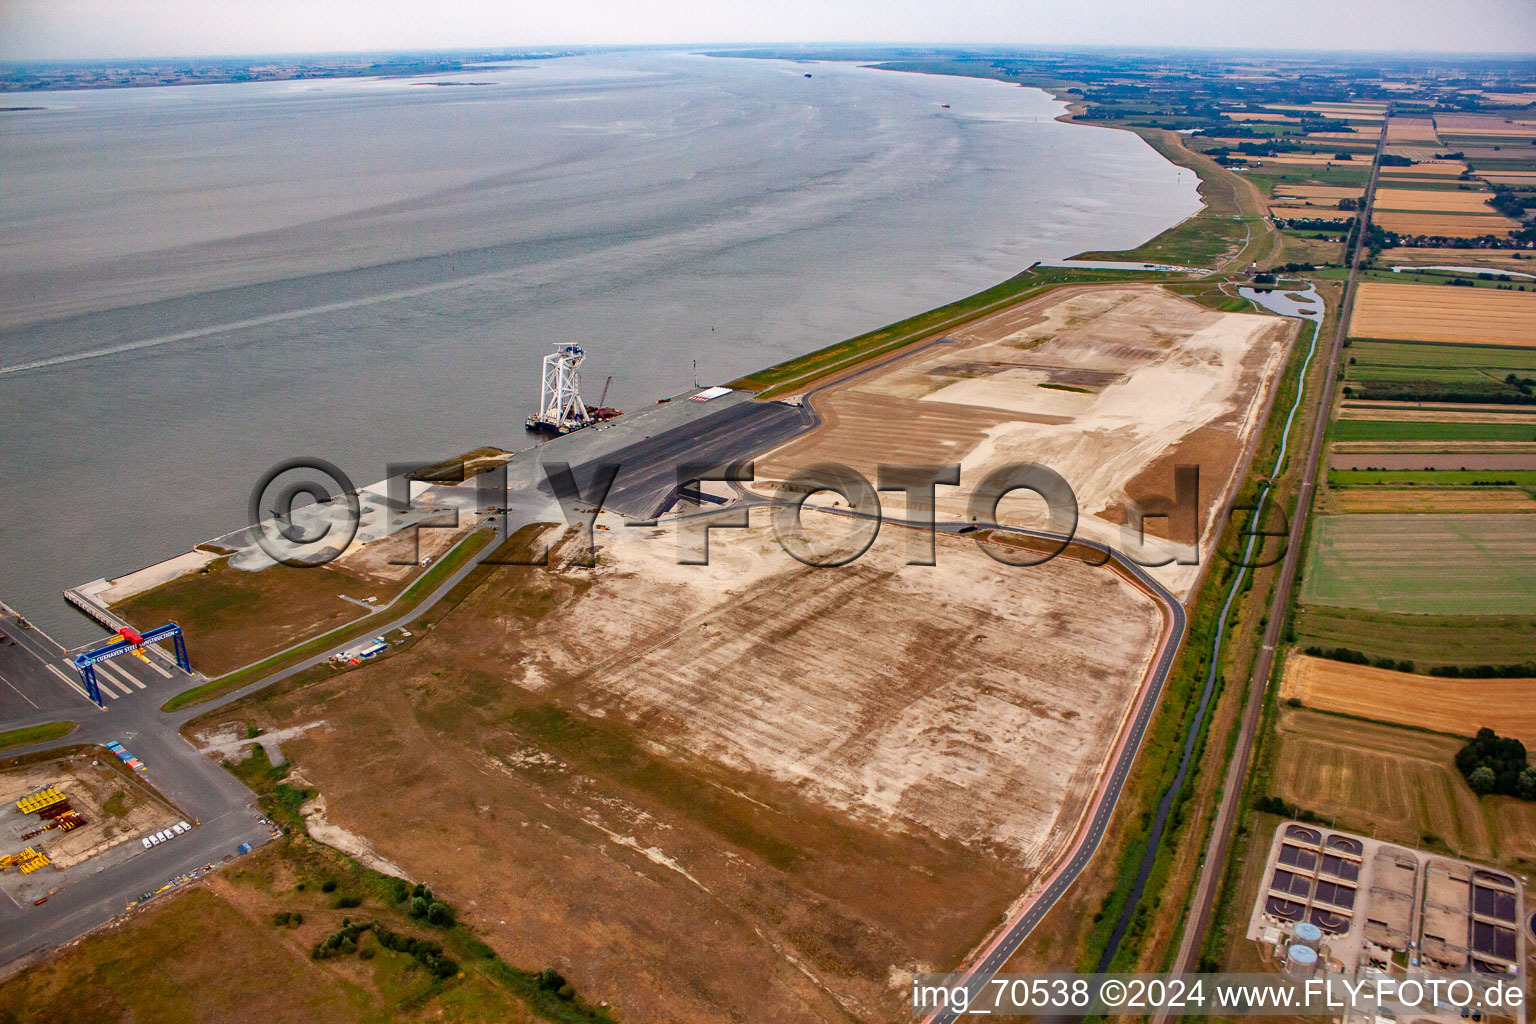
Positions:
(148, 28)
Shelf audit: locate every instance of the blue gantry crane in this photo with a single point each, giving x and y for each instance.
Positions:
(128, 642)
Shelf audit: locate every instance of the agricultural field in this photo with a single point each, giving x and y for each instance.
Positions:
(1446, 225)
(1435, 412)
(1426, 640)
(1418, 312)
(1111, 387)
(1405, 500)
(1396, 784)
(1497, 259)
(738, 762)
(1438, 564)
(1438, 200)
(1457, 706)
(1431, 430)
(1411, 129)
(1328, 192)
(1464, 478)
(1431, 168)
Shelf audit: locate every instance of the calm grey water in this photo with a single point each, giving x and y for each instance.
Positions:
(198, 282)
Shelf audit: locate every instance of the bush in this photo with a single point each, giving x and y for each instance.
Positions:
(1482, 780)
(566, 992)
(419, 906)
(440, 914)
(367, 952)
(347, 901)
(550, 979)
(1494, 764)
(280, 919)
(329, 885)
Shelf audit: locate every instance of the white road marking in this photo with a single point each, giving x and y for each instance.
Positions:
(119, 676)
(156, 666)
(13, 686)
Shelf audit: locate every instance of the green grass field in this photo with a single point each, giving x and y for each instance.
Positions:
(1449, 364)
(1525, 478)
(1391, 430)
(1426, 640)
(1438, 565)
(35, 734)
(424, 584)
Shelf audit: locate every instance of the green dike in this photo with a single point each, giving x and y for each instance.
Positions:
(403, 605)
(797, 373)
(1229, 230)
(35, 734)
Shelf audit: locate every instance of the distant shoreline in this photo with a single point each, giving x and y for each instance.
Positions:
(68, 76)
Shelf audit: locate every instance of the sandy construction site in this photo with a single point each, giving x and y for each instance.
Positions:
(754, 762)
(1111, 387)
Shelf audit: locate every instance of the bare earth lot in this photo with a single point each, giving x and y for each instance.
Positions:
(1111, 387)
(1457, 706)
(747, 791)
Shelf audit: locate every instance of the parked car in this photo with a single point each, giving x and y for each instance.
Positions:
(165, 834)
(178, 828)
(155, 840)
(147, 843)
(184, 825)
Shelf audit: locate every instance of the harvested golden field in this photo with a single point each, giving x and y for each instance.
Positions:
(1444, 224)
(1474, 124)
(1518, 179)
(1457, 706)
(1396, 784)
(641, 771)
(1357, 500)
(1428, 312)
(1111, 387)
(1433, 168)
(1433, 199)
(1411, 129)
(1300, 159)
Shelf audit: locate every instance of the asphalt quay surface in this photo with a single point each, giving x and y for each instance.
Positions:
(647, 482)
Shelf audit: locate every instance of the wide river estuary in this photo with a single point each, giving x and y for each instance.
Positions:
(199, 282)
